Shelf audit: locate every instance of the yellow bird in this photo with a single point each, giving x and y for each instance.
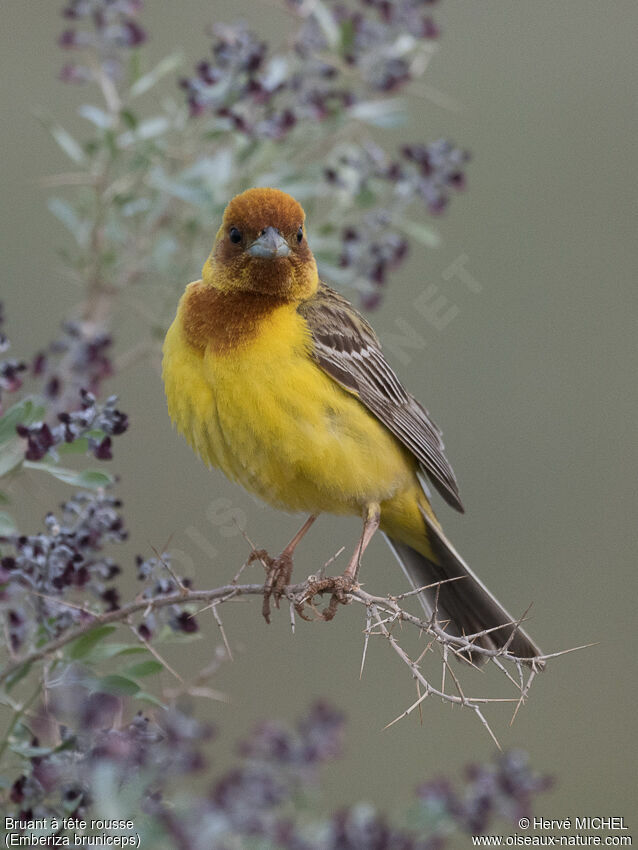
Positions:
(278, 381)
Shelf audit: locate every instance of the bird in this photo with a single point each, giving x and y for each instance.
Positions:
(277, 380)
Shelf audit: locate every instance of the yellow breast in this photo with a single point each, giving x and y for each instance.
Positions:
(273, 421)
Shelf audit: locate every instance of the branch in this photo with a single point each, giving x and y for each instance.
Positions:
(382, 614)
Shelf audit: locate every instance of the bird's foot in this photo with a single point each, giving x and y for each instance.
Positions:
(278, 573)
(337, 586)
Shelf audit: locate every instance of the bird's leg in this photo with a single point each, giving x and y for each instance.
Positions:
(370, 525)
(280, 569)
(341, 585)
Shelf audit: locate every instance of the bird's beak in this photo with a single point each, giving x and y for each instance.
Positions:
(269, 245)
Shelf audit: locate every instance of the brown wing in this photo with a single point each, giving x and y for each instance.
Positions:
(347, 349)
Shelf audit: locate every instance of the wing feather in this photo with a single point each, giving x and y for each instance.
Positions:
(347, 349)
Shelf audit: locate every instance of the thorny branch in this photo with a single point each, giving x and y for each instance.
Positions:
(383, 613)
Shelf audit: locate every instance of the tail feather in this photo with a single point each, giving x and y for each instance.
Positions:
(463, 607)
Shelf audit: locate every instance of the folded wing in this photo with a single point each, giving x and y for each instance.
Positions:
(347, 349)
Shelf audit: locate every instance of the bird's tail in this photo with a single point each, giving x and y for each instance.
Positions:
(465, 606)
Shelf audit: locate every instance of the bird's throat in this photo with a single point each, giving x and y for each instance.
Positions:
(223, 321)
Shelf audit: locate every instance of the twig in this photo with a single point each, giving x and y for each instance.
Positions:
(155, 653)
(365, 641)
(218, 620)
(382, 615)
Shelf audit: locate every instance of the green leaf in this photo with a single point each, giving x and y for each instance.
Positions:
(92, 479)
(366, 197)
(146, 697)
(79, 446)
(4, 499)
(11, 456)
(27, 751)
(84, 645)
(18, 674)
(24, 412)
(116, 650)
(65, 213)
(147, 81)
(115, 684)
(144, 668)
(348, 32)
(129, 118)
(7, 524)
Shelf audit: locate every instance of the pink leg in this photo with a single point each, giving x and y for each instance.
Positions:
(370, 525)
(280, 569)
(339, 586)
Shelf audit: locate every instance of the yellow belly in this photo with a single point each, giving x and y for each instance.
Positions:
(273, 421)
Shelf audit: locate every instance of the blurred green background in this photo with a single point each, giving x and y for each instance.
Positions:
(533, 382)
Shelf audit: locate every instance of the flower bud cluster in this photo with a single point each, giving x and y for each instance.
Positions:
(105, 26)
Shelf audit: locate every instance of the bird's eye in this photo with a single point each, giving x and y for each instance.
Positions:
(234, 235)
(300, 234)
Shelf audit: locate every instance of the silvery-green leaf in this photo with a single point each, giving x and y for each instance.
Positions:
(389, 112)
(301, 189)
(144, 668)
(147, 81)
(96, 115)
(212, 169)
(137, 206)
(25, 412)
(64, 139)
(105, 651)
(83, 646)
(65, 213)
(114, 684)
(92, 479)
(149, 129)
(11, 455)
(420, 232)
(276, 72)
(144, 696)
(13, 678)
(7, 524)
(195, 195)
(326, 21)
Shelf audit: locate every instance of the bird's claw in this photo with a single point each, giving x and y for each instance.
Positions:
(338, 587)
(279, 571)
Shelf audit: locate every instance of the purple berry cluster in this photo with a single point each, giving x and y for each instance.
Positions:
(100, 422)
(369, 252)
(377, 38)
(77, 360)
(420, 174)
(259, 799)
(265, 95)
(424, 173)
(42, 575)
(258, 95)
(504, 788)
(10, 369)
(38, 572)
(160, 580)
(105, 26)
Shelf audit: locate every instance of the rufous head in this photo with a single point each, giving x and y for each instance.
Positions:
(261, 247)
